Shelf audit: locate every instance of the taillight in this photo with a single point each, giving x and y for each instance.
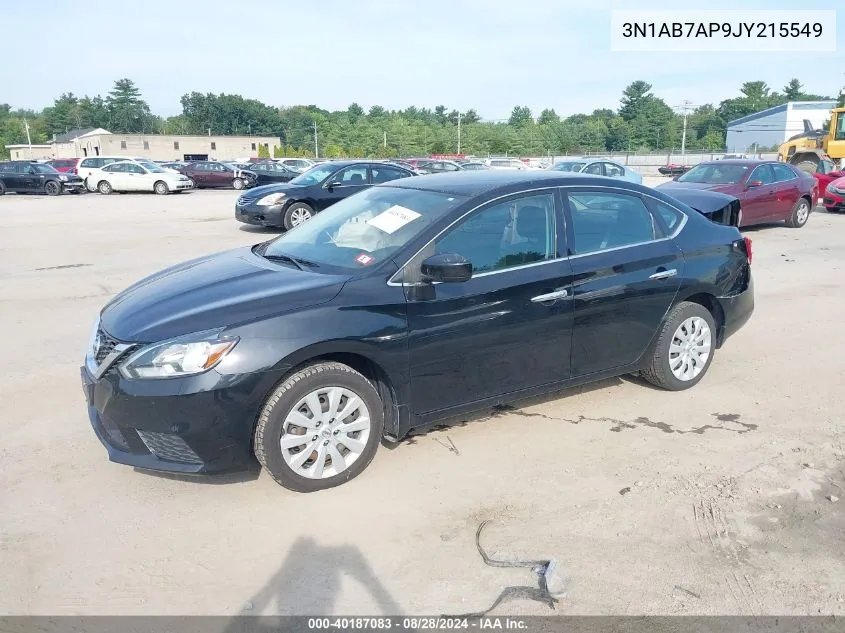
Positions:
(748, 252)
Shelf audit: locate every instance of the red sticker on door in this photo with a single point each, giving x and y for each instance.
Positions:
(364, 259)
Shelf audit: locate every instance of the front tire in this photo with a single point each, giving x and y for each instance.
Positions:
(52, 188)
(104, 187)
(800, 214)
(238, 183)
(320, 428)
(684, 348)
(2, 189)
(161, 188)
(297, 214)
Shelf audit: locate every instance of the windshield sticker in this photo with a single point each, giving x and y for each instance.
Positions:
(393, 219)
(364, 259)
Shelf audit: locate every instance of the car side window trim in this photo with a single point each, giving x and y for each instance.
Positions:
(643, 197)
(396, 278)
(563, 200)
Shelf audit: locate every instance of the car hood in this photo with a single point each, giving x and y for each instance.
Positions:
(839, 183)
(732, 189)
(219, 290)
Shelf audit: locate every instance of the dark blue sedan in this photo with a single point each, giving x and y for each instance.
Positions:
(422, 298)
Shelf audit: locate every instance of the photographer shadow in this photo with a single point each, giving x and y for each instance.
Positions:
(309, 584)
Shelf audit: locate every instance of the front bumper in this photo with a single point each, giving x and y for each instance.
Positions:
(737, 309)
(73, 185)
(833, 201)
(197, 424)
(260, 216)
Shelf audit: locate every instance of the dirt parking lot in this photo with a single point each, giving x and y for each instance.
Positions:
(717, 500)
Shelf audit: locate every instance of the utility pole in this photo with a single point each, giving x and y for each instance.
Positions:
(459, 132)
(685, 106)
(384, 140)
(28, 139)
(316, 150)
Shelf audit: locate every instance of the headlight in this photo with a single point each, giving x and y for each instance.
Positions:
(835, 190)
(183, 356)
(273, 198)
(63, 177)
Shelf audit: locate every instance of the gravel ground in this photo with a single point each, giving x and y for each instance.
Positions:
(717, 500)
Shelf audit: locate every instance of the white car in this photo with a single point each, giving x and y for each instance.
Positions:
(91, 164)
(139, 175)
(299, 164)
(505, 163)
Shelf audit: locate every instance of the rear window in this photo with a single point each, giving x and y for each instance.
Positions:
(64, 162)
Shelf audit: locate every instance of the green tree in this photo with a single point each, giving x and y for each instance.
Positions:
(263, 151)
(520, 116)
(793, 90)
(470, 117)
(634, 97)
(547, 117)
(127, 111)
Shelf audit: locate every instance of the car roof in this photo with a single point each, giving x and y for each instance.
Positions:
(747, 162)
(472, 183)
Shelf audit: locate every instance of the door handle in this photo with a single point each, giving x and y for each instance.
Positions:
(551, 296)
(664, 274)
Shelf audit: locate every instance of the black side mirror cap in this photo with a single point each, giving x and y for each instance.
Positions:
(446, 268)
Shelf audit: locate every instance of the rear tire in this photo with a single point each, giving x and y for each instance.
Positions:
(161, 188)
(336, 388)
(800, 214)
(2, 189)
(678, 361)
(104, 187)
(52, 188)
(192, 183)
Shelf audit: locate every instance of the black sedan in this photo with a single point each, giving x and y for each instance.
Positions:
(24, 176)
(269, 172)
(290, 204)
(401, 305)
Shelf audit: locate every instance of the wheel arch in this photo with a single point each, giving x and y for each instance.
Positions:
(711, 303)
(363, 359)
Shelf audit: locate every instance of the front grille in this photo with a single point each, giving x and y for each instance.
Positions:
(168, 447)
(106, 346)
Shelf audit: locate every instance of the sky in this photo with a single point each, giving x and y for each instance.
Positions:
(489, 55)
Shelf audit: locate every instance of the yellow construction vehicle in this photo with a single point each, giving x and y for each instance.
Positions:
(806, 150)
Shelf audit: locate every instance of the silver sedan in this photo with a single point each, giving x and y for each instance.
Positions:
(599, 167)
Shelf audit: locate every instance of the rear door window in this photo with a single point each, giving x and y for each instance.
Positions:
(602, 221)
(783, 173)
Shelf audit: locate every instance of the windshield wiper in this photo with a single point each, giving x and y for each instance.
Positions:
(302, 264)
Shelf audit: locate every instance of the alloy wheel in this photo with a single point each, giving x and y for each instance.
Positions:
(803, 212)
(298, 216)
(325, 432)
(690, 348)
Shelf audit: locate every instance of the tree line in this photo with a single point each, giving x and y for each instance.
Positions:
(641, 122)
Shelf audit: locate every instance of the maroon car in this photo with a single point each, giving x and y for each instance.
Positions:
(64, 165)
(769, 191)
(207, 174)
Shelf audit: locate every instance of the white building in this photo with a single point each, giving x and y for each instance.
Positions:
(773, 126)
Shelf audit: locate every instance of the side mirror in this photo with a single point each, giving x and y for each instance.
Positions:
(333, 184)
(446, 268)
(754, 183)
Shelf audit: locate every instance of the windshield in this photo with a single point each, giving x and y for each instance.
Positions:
(314, 175)
(715, 174)
(571, 167)
(151, 167)
(41, 168)
(362, 230)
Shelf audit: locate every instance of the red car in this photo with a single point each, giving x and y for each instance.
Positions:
(825, 174)
(834, 196)
(64, 165)
(769, 191)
